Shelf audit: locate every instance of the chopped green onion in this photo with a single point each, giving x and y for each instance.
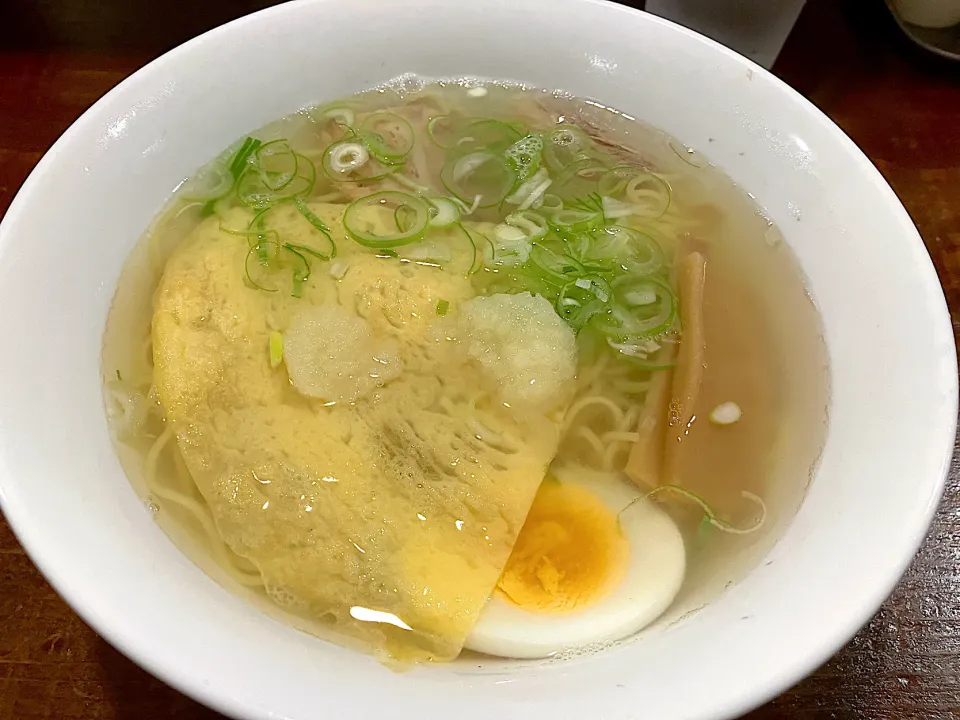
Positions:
(530, 222)
(596, 285)
(301, 271)
(276, 349)
(267, 258)
(255, 236)
(614, 181)
(254, 192)
(549, 262)
(638, 252)
(404, 217)
(614, 209)
(482, 174)
(243, 155)
(577, 179)
(577, 306)
(572, 220)
(340, 114)
(473, 246)
(591, 202)
(277, 163)
(550, 204)
(488, 134)
(211, 183)
(642, 349)
(442, 307)
(319, 225)
(303, 249)
(530, 190)
(388, 137)
(359, 215)
(631, 324)
(235, 166)
(443, 212)
(344, 157)
(708, 512)
(257, 270)
(511, 248)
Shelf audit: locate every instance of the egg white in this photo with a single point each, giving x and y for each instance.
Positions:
(652, 578)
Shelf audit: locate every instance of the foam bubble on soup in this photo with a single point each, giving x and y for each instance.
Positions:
(454, 365)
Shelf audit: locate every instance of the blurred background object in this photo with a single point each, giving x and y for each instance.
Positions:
(755, 28)
(140, 25)
(932, 24)
(928, 13)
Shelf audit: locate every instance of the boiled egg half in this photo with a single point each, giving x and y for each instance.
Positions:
(579, 574)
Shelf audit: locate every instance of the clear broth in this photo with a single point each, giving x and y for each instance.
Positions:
(764, 346)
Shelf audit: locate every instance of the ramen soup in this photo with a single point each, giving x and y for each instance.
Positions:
(449, 367)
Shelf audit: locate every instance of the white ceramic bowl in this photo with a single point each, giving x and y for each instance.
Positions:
(63, 240)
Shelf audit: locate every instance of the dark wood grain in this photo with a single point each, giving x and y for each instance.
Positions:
(903, 109)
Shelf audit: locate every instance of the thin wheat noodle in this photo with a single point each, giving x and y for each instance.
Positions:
(610, 454)
(198, 511)
(593, 441)
(589, 401)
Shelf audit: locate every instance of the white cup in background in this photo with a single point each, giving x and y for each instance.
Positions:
(929, 13)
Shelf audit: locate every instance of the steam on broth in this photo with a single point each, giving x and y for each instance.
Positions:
(457, 366)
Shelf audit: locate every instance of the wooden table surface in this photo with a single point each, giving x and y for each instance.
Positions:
(901, 106)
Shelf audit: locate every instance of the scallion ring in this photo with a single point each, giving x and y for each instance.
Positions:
(361, 222)
(443, 212)
(530, 190)
(571, 220)
(549, 262)
(344, 157)
(578, 306)
(487, 134)
(278, 164)
(482, 174)
(211, 183)
(550, 204)
(388, 137)
(254, 193)
(259, 260)
(530, 222)
(639, 253)
(340, 114)
(633, 323)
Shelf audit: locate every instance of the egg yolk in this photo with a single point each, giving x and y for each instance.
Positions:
(569, 553)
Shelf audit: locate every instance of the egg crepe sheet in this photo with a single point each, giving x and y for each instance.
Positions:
(389, 517)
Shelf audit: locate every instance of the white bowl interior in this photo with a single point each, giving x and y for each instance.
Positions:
(64, 239)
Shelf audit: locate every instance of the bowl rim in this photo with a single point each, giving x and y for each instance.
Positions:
(141, 653)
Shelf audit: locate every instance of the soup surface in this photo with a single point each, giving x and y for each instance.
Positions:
(457, 366)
